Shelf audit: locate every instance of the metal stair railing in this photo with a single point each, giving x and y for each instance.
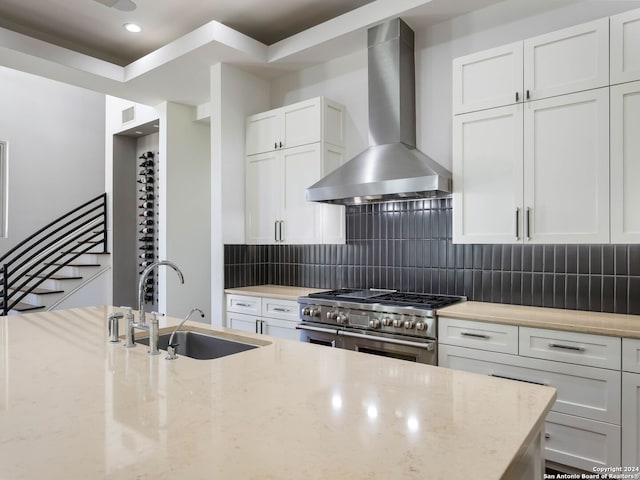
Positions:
(41, 255)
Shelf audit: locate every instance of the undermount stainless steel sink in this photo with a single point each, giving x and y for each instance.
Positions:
(200, 345)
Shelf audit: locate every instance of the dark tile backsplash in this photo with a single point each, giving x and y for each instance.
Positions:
(407, 246)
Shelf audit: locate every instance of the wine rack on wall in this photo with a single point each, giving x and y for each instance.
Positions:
(148, 225)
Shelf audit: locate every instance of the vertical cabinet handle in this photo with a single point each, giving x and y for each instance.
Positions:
(257, 323)
(517, 223)
(528, 96)
(280, 144)
(275, 230)
(280, 231)
(517, 97)
(528, 224)
(275, 145)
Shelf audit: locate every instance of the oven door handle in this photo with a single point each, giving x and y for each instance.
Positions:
(301, 326)
(427, 346)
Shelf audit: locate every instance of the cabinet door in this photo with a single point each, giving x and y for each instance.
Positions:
(625, 47)
(630, 419)
(280, 328)
(625, 163)
(491, 78)
(581, 443)
(568, 60)
(302, 168)
(333, 216)
(566, 168)
(487, 176)
(241, 321)
(263, 132)
(302, 123)
(263, 209)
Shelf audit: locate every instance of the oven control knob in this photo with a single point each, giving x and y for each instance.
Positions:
(342, 318)
(421, 326)
(314, 312)
(375, 323)
(332, 315)
(306, 311)
(397, 322)
(386, 321)
(409, 324)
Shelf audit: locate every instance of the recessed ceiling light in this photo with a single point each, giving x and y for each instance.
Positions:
(138, 132)
(132, 27)
(156, 126)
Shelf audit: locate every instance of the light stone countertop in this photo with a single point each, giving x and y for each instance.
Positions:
(274, 291)
(571, 320)
(73, 406)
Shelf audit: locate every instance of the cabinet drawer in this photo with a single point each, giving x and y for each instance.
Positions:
(241, 321)
(584, 391)
(631, 355)
(579, 348)
(485, 336)
(581, 443)
(281, 309)
(244, 304)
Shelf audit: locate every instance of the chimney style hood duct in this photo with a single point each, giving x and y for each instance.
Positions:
(391, 168)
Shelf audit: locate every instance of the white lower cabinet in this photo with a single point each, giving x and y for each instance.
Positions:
(269, 316)
(583, 429)
(580, 442)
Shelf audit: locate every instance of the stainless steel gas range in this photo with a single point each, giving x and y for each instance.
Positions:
(381, 322)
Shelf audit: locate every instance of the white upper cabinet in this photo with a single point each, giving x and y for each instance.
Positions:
(625, 47)
(566, 168)
(298, 124)
(557, 63)
(487, 79)
(625, 163)
(304, 143)
(487, 176)
(568, 60)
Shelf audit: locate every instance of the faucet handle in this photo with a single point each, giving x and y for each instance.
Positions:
(129, 315)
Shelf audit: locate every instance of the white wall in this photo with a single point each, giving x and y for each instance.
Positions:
(56, 149)
(185, 210)
(235, 94)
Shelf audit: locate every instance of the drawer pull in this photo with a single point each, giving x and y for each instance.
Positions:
(567, 347)
(243, 304)
(547, 436)
(474, 335)
(279, 309)
(517, 379)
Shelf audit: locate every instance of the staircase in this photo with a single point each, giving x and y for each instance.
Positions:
(54, 262)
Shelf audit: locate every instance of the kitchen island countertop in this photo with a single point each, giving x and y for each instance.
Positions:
(73, 405)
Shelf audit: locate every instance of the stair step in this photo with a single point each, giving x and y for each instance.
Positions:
(25, 307)
(40, 291)
(74, 264)
(87, 253)
(59, 277)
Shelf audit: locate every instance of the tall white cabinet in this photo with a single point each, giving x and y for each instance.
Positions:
(625, 162)
(530, 140)
(289, 149)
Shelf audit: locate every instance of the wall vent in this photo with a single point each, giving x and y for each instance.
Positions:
(128, 114)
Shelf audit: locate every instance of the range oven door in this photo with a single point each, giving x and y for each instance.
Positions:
(320, 335)
(404, 348)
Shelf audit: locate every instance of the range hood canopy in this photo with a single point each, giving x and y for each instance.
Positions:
(391, 168)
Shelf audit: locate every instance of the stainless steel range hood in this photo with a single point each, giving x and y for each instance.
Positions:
(391, 168)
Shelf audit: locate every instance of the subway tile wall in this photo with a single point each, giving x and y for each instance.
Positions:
(407, 246)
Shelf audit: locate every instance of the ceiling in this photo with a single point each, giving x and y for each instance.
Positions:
(82, 42)
(89, 27)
